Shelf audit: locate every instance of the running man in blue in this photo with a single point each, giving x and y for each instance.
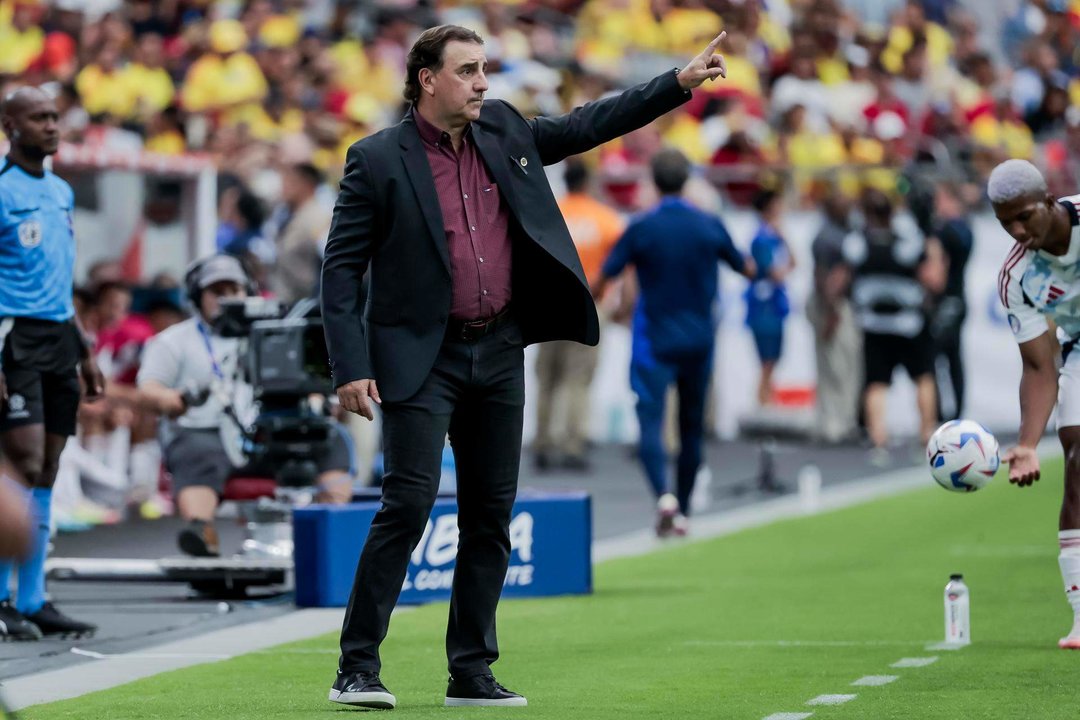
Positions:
(674, 249)
(42, 351)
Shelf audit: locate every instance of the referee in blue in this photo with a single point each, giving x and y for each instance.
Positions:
(43, 353)
(675, 249)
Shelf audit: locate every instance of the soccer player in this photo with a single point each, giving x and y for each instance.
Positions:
(42, 351)
(1041, 279)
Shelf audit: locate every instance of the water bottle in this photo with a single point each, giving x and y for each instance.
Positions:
(957, 612)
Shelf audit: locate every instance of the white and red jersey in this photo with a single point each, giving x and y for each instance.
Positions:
(1034, 285)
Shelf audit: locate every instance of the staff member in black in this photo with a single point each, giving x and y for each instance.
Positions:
(470, 261)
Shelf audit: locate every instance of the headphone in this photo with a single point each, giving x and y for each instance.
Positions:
(197, 270)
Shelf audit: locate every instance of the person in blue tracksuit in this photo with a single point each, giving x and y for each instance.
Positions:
(674, 249)
(766, 297)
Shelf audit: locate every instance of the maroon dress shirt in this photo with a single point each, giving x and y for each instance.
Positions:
(476, 221)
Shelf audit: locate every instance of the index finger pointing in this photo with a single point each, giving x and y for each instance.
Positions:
(711, 47)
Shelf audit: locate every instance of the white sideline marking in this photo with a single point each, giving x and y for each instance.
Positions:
(147, 656)
(831, 699)
(875, 680)
(804, 643)
(788, 716)
(947, 646)
(68, 682)
(914, 662)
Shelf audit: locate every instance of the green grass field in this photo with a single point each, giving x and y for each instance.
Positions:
(739, 627)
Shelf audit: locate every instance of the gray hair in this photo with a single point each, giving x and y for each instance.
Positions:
(1014, 179)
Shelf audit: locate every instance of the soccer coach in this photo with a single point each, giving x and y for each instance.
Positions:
(470, 261)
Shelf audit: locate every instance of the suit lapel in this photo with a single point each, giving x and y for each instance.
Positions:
(498, 162)
(419, 172)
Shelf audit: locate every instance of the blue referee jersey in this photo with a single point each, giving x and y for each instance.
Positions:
(37, 245)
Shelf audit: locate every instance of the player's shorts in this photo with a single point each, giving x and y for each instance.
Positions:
(769, 343)
(1068, 404)
(883, 353)
(40, 360)
(197, 458)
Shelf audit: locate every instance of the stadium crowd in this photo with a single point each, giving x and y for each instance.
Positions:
(826, 102)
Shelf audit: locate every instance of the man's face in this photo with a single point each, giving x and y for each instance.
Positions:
(114, 306)
(34, 125)
(1027, 219)
(457, 89)
(212, 295)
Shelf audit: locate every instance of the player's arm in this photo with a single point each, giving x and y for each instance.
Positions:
(620, 256)
(1038, 394)
(92, 376)
(158, 398)
(158, 376)
(745, 265)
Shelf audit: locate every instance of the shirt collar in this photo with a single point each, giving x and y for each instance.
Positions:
(670, 200)
(431, 134)
(9, 162)
(1074, 214)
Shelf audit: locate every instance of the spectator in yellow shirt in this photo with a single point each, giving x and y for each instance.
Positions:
(21, 40)
(165, 133)
(104, 88)
(227, 76)
(939, 44)
(147, 77)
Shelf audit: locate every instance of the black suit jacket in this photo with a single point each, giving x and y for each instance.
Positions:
(388, 217)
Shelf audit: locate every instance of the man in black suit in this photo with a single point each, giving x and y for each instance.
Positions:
(470, 261)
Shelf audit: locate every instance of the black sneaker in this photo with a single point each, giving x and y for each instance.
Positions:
(362, 689)
(53, 622)
(481, 691)
(14, 627)
(199, 539)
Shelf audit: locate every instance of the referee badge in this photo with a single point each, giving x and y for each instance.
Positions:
(30, 233)
(17, 409)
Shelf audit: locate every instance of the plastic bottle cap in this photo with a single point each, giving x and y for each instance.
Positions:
(956, 576)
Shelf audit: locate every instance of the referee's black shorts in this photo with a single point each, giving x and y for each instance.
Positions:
(883, 353)
(39, 359)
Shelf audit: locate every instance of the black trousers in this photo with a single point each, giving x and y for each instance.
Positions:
(946, 327)
(476, 393)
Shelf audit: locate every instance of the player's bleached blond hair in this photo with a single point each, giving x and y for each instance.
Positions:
(1014, 179)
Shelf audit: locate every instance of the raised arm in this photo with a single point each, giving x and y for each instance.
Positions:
(602, 120)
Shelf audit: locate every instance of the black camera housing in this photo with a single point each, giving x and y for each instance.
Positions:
(284, 359)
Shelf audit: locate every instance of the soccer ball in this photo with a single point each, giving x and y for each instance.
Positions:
(963, 456)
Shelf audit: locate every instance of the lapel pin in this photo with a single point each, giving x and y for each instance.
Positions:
(524, 162)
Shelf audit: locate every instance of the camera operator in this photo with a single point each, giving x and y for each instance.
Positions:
(189, 374)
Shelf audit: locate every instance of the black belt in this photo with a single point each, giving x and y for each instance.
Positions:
(471, 330)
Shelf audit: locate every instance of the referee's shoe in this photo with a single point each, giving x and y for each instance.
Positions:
(53, 622)
(15, 627)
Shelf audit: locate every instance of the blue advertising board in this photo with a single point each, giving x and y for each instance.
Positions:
(550, 541)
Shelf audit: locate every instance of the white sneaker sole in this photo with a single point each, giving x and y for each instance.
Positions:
(483, 702)
(372, 700)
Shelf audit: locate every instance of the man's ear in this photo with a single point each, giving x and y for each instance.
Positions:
(426, 77)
